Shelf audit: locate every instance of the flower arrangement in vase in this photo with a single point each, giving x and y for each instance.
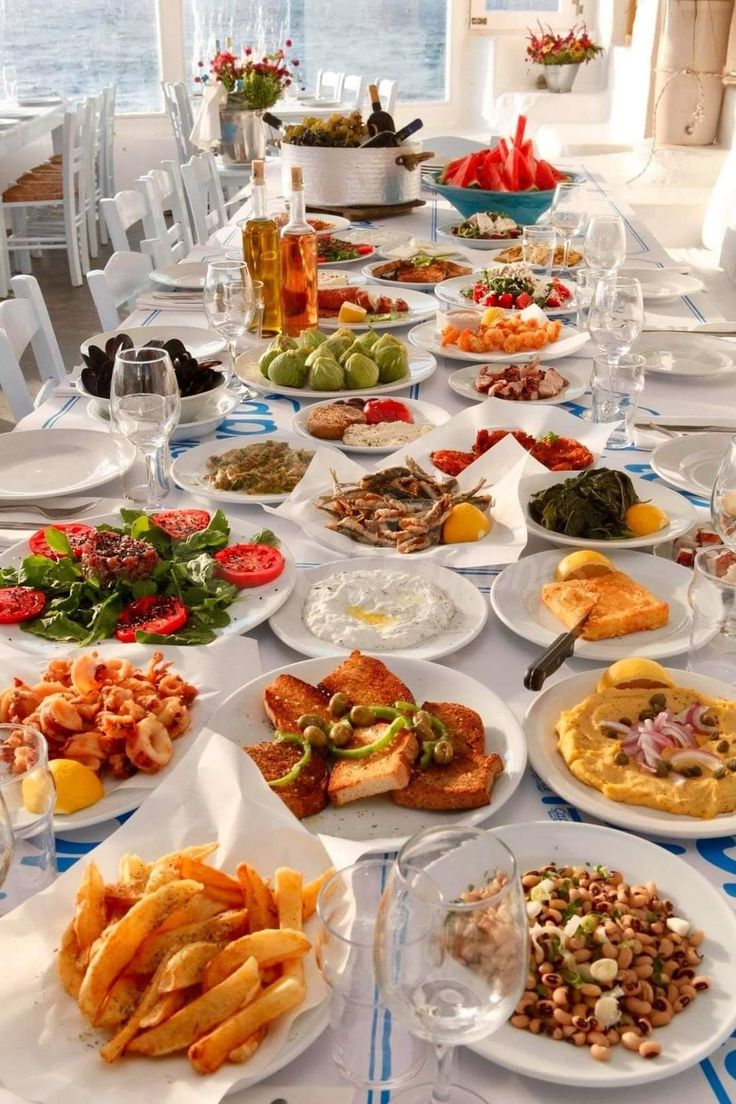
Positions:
(561, 55)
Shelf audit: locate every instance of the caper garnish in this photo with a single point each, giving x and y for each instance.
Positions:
(646, 715)
(315, 735)
(723, 747)
(662, 769)
(362, 715)
(621, 759)
(340, 733)
(611, 733)
(308, 720)
(443, 752)
(719, 772)
(626, 720)
(658, 702)
(709, 720)
(731, 764)
(422, 717)
(339, 705)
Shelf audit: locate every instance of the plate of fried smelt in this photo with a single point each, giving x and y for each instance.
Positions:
(179, 957)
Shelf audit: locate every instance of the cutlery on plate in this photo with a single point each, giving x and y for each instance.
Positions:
(561, 648)
(676, 427)
(715, 329)
(53, 512)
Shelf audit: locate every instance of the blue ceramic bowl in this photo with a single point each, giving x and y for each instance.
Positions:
(522, 207)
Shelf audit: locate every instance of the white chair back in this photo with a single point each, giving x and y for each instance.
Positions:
(75, 177)
(329, 84)
(25, 321)
(107, 141)
(118, 283)
(353, 91)
(124, 210)
(93, 108)
(388, 90)
(181, 117)
(204, 193)
(162, 192)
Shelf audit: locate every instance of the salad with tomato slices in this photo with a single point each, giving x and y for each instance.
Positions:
(168, 577)
(516, 287)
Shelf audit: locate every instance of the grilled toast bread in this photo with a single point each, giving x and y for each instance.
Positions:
(287, 698)
(365, 681)
(617, 605)
(307, 794)
(382, 772)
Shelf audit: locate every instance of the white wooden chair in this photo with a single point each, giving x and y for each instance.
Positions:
(353, 91)
(122, 279)
(93, 109)
(204, 193)
(120, 213)
(388, 91)
(179, 109)
(25, 321)
(162, 190)
(107, 141)
(329, 85)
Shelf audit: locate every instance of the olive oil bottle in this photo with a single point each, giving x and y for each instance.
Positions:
(261, 253)
(298, 264)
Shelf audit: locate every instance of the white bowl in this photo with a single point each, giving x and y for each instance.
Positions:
(191, 406)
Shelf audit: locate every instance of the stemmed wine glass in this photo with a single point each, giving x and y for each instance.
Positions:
(229, 303)
(451, 948)
(604, 247)
(723, 499)
(144, 407)
(568, 213)
(616, 316)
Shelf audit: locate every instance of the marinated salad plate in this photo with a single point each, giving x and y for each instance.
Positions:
(533, 384)
(483, 230)
(405, 511)
(595, 856)
(420, 610)
(512, 287)
(174, 577)
(516, 340)
(48, 1046)
(375, 426)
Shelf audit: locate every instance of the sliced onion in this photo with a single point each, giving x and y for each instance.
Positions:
(616, 726)
(694, 757)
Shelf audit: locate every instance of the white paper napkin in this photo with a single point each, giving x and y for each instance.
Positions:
(206, 130)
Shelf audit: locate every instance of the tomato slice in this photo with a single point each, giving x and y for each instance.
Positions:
(250, 565)
(386, 410)
(75, 532)
(154, 613)
(180, 524)
(20, 603)
(364, 249)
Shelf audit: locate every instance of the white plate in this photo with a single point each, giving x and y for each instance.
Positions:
(37, 464)
(369, 269)
(200, 342)
(424, 413)
(190, 467)
(445, 231)
(690, 1036)
(451, 292)
(337, 223)
(461, 382)
(421, 307)
(425, 336)
(316, 101)
(377, 822)
(214, 414)
(516, 601)
(188, 275)
(421, 367)
(680, 512)
(252, 606)
(539, 725)
(191, 405)
(686, 355)
(351, 260)
(468, 622)
(378, 236)
(691, 462)
(663, 285)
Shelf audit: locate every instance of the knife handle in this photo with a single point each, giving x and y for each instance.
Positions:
(551, 658)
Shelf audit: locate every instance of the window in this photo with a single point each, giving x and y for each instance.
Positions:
(76, 47)
(401, 39)
(501, 15)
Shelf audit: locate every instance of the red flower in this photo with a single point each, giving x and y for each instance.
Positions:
(288, 42)
(248, 51)
(200, 64)
(197, 80)
(295, 63)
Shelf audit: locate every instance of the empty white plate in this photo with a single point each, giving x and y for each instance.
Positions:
(661, 285)
(37, 463)
(189, 275)
(691, 462)
(686, 355)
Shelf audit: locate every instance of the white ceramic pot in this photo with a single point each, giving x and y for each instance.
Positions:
(560, 78)
(351, 177)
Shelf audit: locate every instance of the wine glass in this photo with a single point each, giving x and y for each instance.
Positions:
(568, 213)
(229, 303)
(616, 316)
(604, 247)
(723, 499)
(144, 408)
(6, 839)
(451, 948)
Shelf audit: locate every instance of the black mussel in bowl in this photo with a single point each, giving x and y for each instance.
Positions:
(193, 378)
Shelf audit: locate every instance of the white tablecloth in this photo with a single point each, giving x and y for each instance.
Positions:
(497, 658)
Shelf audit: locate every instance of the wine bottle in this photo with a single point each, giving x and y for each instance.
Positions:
(298, 264)
(388, 138)
(378, 119)
(261, 252)
(272, 121)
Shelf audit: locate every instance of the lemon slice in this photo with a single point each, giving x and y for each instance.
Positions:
(491, 316)
(633, 673)
(465, 523)
(584, 564)
(76, 785)
(351, 312)
(37, 792)
(644, 518)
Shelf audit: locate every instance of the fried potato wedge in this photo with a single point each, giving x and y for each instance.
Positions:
(158, 945)
(200, 907)
(207, 875)
(90, 915)
(247, 1049)
(310, 893)
(268, 946)
(113, 1048)
(186, 967)
(68, 966)
(287, 891)
(122, 1000)
(165, 1007)
(133, 872)
(258, 898)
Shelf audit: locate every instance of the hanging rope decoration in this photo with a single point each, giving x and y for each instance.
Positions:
(698, 113)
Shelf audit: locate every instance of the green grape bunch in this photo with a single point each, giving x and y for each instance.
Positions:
(336, 131)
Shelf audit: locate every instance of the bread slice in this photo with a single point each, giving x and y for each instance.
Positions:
(382, 772)
(305, 796)
(617, 605)
(466, 729)
(287, 698)
(365, 681)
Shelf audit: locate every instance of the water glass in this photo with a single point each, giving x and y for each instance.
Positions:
(586, 280)
(616, 389)
(451, 946)
(369, 1048)
(28, 796)
(616, 315)
(229, 304)
(10, 83)
(712, 599)
(144, 408)
(569, 212)
(604, 247)
(538, 245)
(723, 499)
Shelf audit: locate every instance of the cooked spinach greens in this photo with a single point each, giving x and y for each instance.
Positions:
(591, 505)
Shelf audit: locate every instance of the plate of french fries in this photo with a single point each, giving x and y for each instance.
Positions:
(144, 970)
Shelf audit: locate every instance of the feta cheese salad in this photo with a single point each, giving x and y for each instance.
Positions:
(515, 287)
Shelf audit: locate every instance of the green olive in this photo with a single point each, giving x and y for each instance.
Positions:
(309, 720)
(316, 736)
(340, 733)
(339, 705)
(422, 717)
(443, 752)
(362, 715)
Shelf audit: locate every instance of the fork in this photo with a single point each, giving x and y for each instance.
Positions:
(53, 512)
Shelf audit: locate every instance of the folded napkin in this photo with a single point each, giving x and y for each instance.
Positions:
(206, 130)
(688, 324)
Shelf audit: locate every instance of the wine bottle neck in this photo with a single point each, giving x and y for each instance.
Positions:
(260, 200)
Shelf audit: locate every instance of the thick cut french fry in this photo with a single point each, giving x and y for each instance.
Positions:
(114, 950)
(258, 898)
(162, 872)
(69, 968)
(133, 872)
(287, 888)
(114, 1047)
(198, 851)
(310, 893)
(247, 1049)
(268, 946)
(186, 967)
(121, 895)
(209, 1052)
(228, 898)
(220, 928)
(121, 1000)
(200, 907)
(164, 1008)
(207, 875)
(200, 1016)
(90, 915)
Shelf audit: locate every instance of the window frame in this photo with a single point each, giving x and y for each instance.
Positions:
(482, 22)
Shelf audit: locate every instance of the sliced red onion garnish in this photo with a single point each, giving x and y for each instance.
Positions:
(694, 757)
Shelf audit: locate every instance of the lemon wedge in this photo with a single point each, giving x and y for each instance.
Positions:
(584, 564)
(633, 673)
(76, 785)
(351, 312)
(644, 518)
(491, 316)
(465, 523)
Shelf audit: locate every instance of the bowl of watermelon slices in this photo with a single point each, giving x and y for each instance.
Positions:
(508, 178)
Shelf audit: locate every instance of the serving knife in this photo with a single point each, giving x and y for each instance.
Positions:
(552, 658)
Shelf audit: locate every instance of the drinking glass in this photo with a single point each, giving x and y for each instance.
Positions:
(712, 599)
(451, 946)
(229, 305)
(723, 499)
(616, 388)
(538, 248)
(145, 407)
(569, 212)
(369, 1049)
(604, 247)
(6, 840)
(29, 796)
(586, 280)
(616, 316)
(10, 83)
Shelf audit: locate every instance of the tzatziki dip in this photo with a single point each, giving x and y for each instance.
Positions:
(377, 610)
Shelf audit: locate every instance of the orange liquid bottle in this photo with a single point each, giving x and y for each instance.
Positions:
(261, 253)
(298, 265)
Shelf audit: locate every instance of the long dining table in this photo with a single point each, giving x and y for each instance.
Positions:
(497, 657)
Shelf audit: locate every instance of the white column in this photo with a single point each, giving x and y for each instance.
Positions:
(171, 40)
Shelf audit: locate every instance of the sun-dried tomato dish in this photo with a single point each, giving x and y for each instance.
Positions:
(555, 452)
